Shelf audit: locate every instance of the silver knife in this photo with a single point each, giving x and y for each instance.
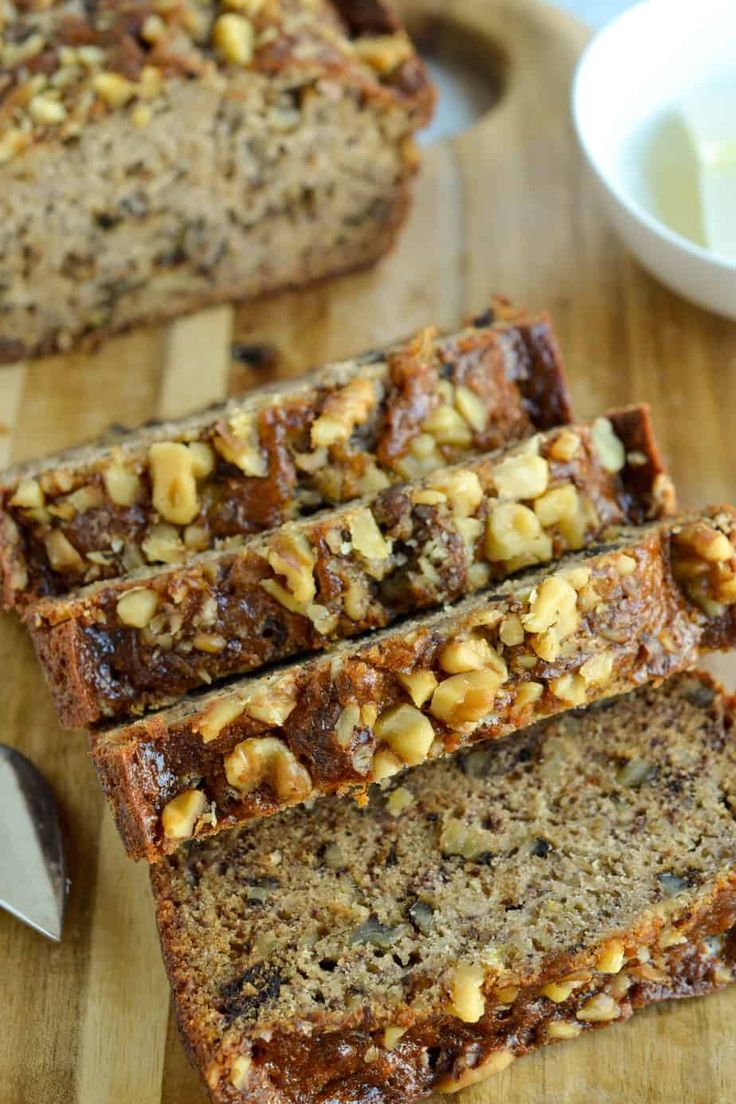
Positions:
(33, 882)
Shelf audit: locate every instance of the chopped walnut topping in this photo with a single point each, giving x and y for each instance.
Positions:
(496, 1062)
(522, 476)
(217, 716)
(420, 686)
(62, 554)
(599, 1009)
(569, 688)
(448, 427)
(367, 538)
(598, 669)
(513, 531)
(407, 732)
(121, 483)
(472, 408)
(552, 605)
(174, 490)
(561, 1029)
(180, 815)
(266, 759)
(466, 991)
(462, 490)
(565, 446)
(137, 607)
(471, 654)
(609, 448)
(611, 958)
(28, 495)
(271, 704)
(558, 991)
(290, 555)
(163, 544)
(238, 443)
(234, 37)
(558, 504)
(467, 698)
(240, 1069)
(392, 1036)
(343, 410)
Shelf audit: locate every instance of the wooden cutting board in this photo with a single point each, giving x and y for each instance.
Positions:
(503, 207)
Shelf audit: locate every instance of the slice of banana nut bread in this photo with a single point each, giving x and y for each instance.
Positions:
(227, 150)
(165, 492)
(124, 646)
(482, 906)
(599, 624)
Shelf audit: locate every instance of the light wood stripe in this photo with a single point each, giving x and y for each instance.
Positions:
(123, 1030)
(197, 362)
(12, 382)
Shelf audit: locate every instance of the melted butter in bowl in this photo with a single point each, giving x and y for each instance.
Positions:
(654, 103)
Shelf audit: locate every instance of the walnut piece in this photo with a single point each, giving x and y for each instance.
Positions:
(290, 555)
(565, 446)
(420, 686)
(471, 654)
(343, 410)
(599, 1009)
(62, 554)
(174, 489)
(496, 1062)
(136, 607)
(271, 704)
(234, 37)
(238, 443)
(28, 495)
(466, 698)
(522, 476)
(384, 53)
(266, 759)
(217, 716)
(448, 427)
(466, 993)
(407, 732)
(121, 483)
(367, 538)
(180, 815)
(611, 957)
(608, 447)
(561, 1029)
(513, 533)
(462, 490)
(472, 407)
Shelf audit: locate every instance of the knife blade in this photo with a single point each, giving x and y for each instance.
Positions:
(33, 883)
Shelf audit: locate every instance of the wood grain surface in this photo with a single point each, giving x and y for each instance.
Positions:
(502, 207)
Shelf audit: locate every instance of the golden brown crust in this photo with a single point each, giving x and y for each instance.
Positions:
(598, 624)
(141, 642)
(95, 512)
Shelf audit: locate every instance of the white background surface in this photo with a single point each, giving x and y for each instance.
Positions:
(595, 12)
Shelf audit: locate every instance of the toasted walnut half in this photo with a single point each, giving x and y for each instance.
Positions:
(266, 759)
(180, 815)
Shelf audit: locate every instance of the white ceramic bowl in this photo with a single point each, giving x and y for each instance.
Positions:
(626, 83)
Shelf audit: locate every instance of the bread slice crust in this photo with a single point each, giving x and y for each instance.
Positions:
(596, 624)
(427, 941)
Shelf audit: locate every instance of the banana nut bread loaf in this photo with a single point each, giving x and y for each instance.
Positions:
(126, 645)
(600, 623)
(226, 149)
(162, 493)
(479, 907)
